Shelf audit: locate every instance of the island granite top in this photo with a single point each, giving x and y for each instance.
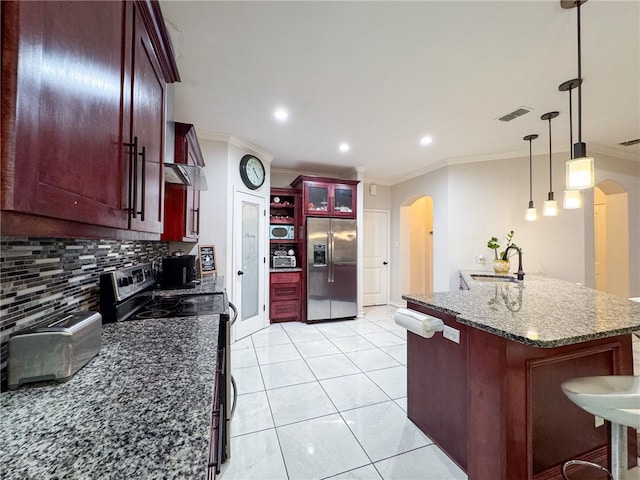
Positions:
(141, 409)
(539, 311)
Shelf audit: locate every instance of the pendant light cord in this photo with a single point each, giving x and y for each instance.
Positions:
(530, 175)
(550, 167)
(570, 124)
(579, 77)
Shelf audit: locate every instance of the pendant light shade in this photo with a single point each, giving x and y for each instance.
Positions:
(550, 208)
(572, 199)
(531, 214)
(580, 173)
(580, 169)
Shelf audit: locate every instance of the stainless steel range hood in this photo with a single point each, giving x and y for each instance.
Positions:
(186, 175)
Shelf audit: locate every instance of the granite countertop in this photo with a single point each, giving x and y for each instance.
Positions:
(141, 409)
(539, 311)
(208, 284)
(283, 270)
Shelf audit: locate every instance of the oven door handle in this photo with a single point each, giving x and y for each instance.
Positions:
(235, 313)
(235, 397)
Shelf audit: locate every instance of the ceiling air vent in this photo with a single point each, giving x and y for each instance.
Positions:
(628, 143)
(515, 114)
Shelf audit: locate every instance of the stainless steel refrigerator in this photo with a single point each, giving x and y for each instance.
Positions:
(332, 255)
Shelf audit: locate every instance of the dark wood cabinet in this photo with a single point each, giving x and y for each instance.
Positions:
(284, 210)
(286, 295)
(82, 81)
(144, 127)
(285, 287)
(496, 406)
(182, 204)
(330, 197)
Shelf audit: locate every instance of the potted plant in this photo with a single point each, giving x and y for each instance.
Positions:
(501, 262)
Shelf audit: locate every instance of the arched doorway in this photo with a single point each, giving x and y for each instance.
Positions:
(416, 238)
(611, 230)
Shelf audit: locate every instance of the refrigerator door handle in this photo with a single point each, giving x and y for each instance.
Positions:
(331, 277)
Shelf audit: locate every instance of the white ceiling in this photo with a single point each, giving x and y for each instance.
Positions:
(380, 75)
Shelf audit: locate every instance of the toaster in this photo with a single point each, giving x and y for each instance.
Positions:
(54, 350)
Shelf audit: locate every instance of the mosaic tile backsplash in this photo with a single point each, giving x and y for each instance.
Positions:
(48, 277)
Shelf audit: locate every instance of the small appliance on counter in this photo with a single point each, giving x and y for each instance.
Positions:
(282, 232)
(178, 271)
(283, 259)
(54, 350)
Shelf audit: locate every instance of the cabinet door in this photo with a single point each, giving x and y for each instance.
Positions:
(316, 198)
(193, 203)
(146, 134)
(193, 213)
(343, 201)
(182, 204)
(61, 110)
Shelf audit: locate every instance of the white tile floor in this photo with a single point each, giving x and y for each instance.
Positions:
(328, 400)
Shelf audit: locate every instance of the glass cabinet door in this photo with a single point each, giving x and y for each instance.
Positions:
(343, 199)
(317, 199)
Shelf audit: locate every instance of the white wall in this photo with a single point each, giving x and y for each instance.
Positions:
(434, 184)
(222, 155)
(381, 200)
(475, 201)
(627, 174)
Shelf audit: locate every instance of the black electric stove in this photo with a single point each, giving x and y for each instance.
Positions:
(131, 293)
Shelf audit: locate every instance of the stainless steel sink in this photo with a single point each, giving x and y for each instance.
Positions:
(492, 278)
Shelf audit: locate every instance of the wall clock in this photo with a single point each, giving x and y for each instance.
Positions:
(252, 172)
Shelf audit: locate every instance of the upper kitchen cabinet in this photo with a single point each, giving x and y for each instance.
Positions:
(327, 196)
(83, 96)
(182, 203)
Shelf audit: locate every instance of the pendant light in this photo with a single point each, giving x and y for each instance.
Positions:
(531, 214)
(550, 208)
(580, 169)
(572, 198)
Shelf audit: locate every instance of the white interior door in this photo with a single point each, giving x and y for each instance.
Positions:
(249, 264)
(375, 288)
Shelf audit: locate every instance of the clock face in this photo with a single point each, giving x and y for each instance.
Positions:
(252, 172)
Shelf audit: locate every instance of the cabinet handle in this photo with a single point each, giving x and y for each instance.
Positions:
(133, 177)
(197, 220)
(143, 154)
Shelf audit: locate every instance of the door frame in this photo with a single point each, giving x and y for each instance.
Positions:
(259, 321)
(387, 214)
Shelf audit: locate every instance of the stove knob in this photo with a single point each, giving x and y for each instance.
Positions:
(124, 282)
(130, 280)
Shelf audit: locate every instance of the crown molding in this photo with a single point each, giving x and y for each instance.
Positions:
(236, 142)
(621, 152)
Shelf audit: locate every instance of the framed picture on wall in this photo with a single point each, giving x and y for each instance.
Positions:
(207, 260)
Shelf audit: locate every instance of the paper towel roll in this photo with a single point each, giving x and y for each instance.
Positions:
(418, 323)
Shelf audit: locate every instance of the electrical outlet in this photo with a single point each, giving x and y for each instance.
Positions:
(451, 334)
(599, 421)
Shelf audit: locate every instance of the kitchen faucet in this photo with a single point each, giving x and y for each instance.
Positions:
(506, 255)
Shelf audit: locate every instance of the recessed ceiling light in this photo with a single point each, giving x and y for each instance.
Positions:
(281, 114)
(344, 147)
(426, 140)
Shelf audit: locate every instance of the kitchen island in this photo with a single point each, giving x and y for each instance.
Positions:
(491, 398)
(141, 409)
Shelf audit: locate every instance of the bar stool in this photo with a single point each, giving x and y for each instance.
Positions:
(615, 398)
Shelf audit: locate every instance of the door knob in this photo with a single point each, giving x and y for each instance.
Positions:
(240, 272)
(385, 263)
